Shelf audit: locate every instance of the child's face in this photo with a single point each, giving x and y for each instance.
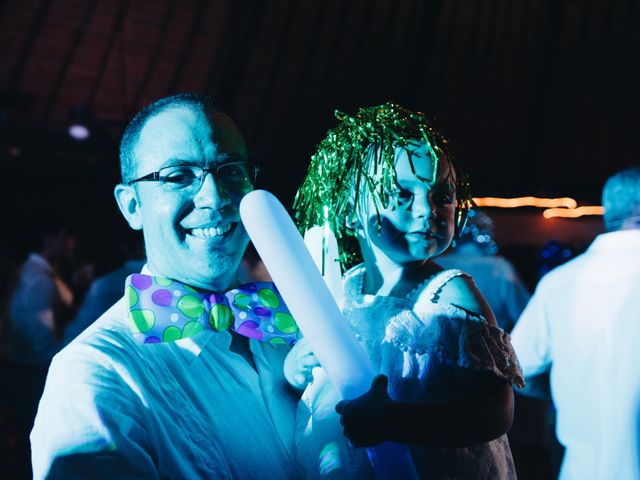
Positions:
(418, 222)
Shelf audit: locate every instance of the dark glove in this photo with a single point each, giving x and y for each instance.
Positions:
(364, 418)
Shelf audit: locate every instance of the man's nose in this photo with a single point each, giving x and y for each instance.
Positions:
(211, 194)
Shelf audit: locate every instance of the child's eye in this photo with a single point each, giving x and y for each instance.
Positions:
(404, 195)
(443, 197)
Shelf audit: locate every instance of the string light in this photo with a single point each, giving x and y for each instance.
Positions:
(554, 207)
(565, 202)
(573, 212)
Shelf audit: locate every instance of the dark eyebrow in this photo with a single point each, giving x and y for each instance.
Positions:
(175, 162)
(229, 157)
(220, 159)
(440, 184)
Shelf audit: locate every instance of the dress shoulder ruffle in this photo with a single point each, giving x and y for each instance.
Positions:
(421, 325)
(456, 339)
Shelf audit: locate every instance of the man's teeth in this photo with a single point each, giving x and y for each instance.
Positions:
(211, 231)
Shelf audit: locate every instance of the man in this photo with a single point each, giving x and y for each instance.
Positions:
(583, 323)
(190, 401)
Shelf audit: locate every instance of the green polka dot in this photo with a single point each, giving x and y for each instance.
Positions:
(189, 289)
(132, 296)
(285, 323)
(191, 329)
(191, 306)
(171, 334)
(220, 317)
(141, 320)
(277, 341)
(242, 301)
(163, 282)
(268, 298)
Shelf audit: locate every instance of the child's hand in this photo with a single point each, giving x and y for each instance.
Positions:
(363, 418)
(299, 363)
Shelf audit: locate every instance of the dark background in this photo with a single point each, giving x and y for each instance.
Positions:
(537, 96)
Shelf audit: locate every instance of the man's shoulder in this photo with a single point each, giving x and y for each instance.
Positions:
(567, 272)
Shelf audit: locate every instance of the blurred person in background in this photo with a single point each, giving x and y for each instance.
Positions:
(106, 289)
(582, 325)
(38, 304)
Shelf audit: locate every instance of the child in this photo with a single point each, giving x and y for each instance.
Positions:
(387, 181)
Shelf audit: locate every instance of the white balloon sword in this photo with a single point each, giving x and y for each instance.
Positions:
(303, 289)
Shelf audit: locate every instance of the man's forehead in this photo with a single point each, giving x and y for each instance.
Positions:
(188, 130)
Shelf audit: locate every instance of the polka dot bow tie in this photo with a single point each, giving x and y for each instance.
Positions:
(164, 310)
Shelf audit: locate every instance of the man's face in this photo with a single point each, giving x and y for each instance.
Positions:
(194, 237)
(418, 223)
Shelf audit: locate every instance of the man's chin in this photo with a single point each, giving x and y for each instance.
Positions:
(217, 271)
(217, 280)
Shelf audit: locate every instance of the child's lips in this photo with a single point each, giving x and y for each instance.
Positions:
(422, 235)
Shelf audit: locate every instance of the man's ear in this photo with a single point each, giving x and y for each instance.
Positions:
(129, 205)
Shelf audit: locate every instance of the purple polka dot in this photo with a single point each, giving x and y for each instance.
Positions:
(141, 282)
(216, 299)
(162, 298)
(250, 329)
(263, 312)
(249, 287)
(152, 340)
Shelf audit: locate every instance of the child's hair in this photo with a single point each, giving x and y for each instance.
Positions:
(360, 152)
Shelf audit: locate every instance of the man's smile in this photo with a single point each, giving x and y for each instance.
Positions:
(212, 232)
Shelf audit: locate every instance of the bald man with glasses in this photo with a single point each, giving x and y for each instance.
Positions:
(182, 377)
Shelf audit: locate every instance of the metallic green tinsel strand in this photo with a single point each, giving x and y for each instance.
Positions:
(360, 153)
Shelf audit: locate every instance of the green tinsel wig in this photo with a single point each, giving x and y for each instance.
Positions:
(360, 154)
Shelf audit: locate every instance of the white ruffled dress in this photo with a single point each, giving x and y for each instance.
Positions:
(409, 340)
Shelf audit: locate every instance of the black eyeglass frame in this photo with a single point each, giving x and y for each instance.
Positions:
(252, 169)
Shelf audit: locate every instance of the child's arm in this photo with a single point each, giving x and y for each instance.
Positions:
(481, 412)
(463, 293)
(298, 365)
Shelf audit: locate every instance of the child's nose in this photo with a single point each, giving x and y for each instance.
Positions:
(422, 207)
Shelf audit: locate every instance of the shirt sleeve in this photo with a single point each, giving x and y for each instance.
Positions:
(87, 426)
(530, 337)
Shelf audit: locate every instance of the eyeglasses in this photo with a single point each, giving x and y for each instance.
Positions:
(233, 176)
